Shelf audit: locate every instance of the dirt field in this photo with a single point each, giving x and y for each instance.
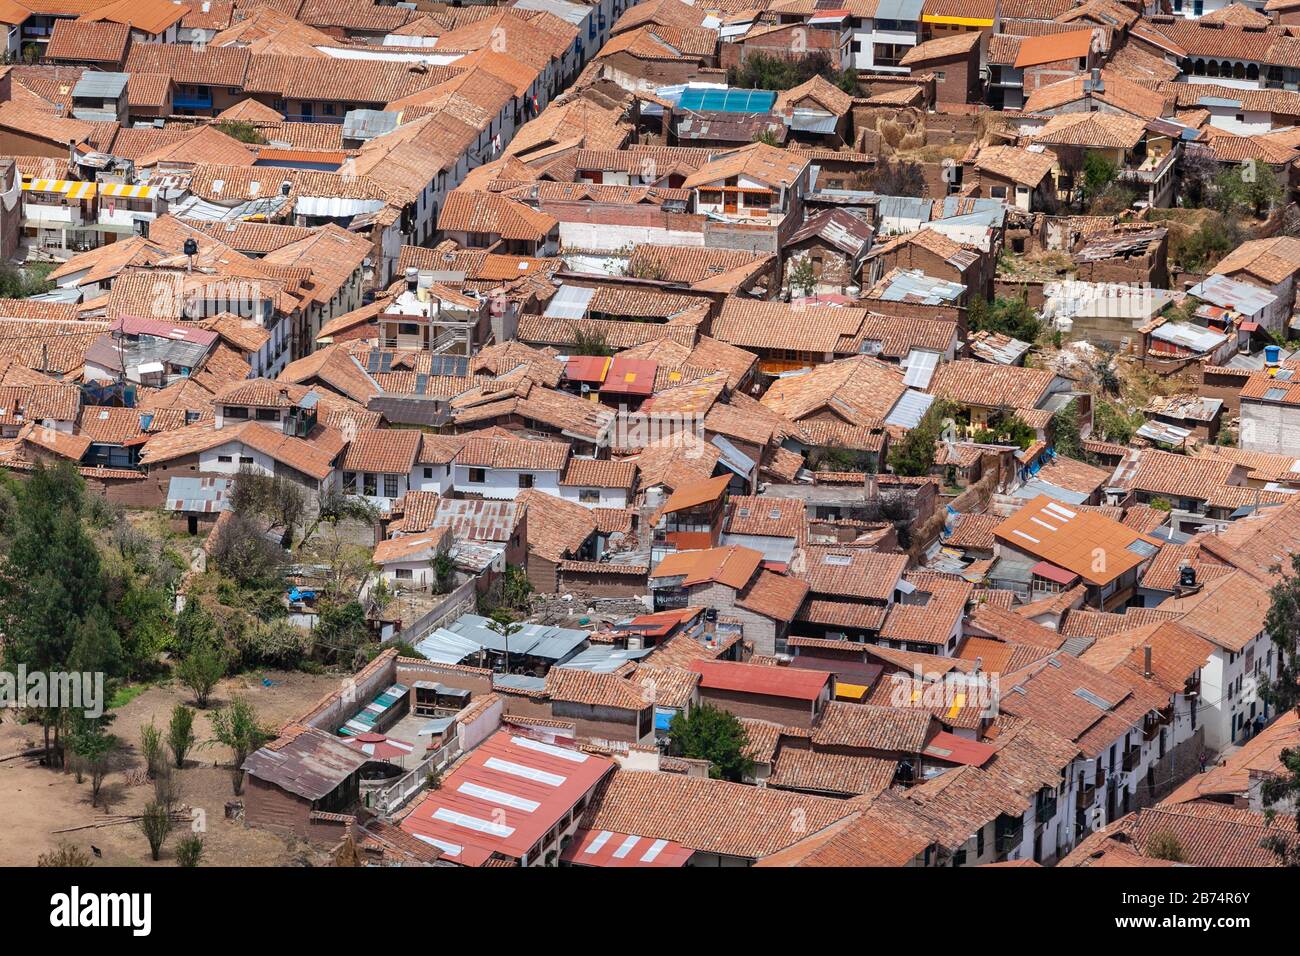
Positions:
(37, 801)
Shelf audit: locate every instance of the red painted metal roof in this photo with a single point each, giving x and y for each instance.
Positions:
(630, 376)
(1045, 569)
(954, 749)
(504, 798)
(607, 848)
(586, 368)
(796, 683)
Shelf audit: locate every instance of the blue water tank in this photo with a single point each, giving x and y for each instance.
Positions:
(1272, 354)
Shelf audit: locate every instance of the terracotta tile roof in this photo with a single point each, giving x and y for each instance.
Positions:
(850, 572)
(868, 727)
(1229, 611)
(1092, 129)
(957, 44)
(490, 213)
(80, 40)
(831, 773)
(731, 566)
(597, 473)
(1177, 654)
(1210, 834)
(328, 78)
(758, 161)
(1272, 260)
(978, 383)
(772, 595)
(700, 813)
(1118, 91)
(666, 686)
(860, 390)
(822, 92)
(207, 66)
(570, 685)
(973, 531)
(1007, 626)
(148, 90)
(1015, 164)
(1051, 48)
(556, 528)
(146, 16)
(1165, 473)
(932, 620)
(382, 451)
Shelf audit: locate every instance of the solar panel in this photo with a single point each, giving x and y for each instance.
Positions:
(421, 384)
(372, 363)
(452, 365)
(386, 362)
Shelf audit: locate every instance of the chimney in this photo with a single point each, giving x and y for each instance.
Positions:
(1146, 661)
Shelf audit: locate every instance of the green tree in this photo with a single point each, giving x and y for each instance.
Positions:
(913, 456)
(341, 630)
(51, 588)
(180, 733)
(155, 823)
(1112, 423)
(803, 275)
(195, 626)
(200, 670)
(94, 750)
(1065, 431)
(1098, 173)
(189, 850)
(1252, 185)
(768, 136)
(151, 748)
(1006, 316)
(590, 342)
(717, 736)
(236, 726)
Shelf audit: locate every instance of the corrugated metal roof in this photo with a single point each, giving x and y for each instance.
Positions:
(107, 85)
(569, 302)
(909, 409)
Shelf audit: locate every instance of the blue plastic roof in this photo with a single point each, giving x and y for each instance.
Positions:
(728, 101)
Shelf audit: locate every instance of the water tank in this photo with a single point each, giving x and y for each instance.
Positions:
(1272, 354)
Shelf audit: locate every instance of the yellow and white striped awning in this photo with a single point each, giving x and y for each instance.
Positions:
(130, 192)
(72, 188)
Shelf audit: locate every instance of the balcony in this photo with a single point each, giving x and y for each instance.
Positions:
(1086, 797)
(1132, 757)
(1008, 834)
(1152, 169)
(197, 100)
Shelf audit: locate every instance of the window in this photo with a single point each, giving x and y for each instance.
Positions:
(234, 411)
(369, 486)
(225, 459)
(245, 460)
(268, 415)
(998, 192)
(402, 574)
(350, 482)
(477, 476)
(390, 486)
(428, 473)
(589, 496)
(525, 481)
